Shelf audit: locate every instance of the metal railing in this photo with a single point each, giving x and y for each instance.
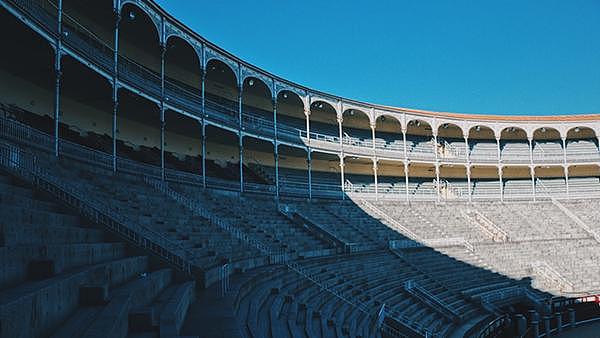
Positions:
(26, 167)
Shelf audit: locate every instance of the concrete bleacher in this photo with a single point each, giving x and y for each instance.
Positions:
(62, 277)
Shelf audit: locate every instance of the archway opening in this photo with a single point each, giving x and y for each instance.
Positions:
(183, 143)
(388, 133)
(221, 91)
(419, 139)
(290, 116)
(26, 75)
(86, 106)
(547, 145)
(138, 128)
(486, 182)
(356, 128)
(482, 144)
(258, 107)
(582, 145)
(293, 171)
(323, 119)
(451, 143)
(139, 39)
(514, 145)
(517, 182)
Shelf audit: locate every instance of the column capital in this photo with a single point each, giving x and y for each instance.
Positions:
(340, 119)
(307, 112)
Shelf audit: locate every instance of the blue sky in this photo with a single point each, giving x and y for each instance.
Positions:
(512, 57)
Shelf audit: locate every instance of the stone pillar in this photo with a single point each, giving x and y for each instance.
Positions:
(115, 89)
(559, 324)
(572, 318)
(547, 325)
(521, 325)
(535, 329)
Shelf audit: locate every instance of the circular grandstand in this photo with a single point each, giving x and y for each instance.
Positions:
(153, 184)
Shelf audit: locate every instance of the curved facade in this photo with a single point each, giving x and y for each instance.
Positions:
(165, 87)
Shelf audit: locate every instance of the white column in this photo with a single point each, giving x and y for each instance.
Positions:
(375, 167)
(406, 179)
(341, 131)
(532, 170)
(469, 182)
(530, 140)
(373, 136)
(404, 141)
(564, 144)
(467, 149)
(499, 151)
(342, 179)
(435, 146)
(501, 183)
(307, 115)
(566, 168)
(309, 165)
(437, 180)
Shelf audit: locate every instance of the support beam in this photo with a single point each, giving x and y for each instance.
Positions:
(58, 77)
(532, 170)
(203, 121)
(437, 180)
(274, 102)
(240, 136)
(566, 168)
(162, 109)
(406, 180)
(501, 183)
(307, 115)
(469, 188)
(499, 150)
(276, 155)
(404, 142)
(115, 92)
(309, 165)
(467, 150)
(375, 167)
(342, 179)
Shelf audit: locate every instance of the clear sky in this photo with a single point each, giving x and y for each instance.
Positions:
(472, 56)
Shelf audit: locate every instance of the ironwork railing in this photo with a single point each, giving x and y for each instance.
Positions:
(25, 166)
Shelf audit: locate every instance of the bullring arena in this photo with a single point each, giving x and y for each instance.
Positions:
(154, 185)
